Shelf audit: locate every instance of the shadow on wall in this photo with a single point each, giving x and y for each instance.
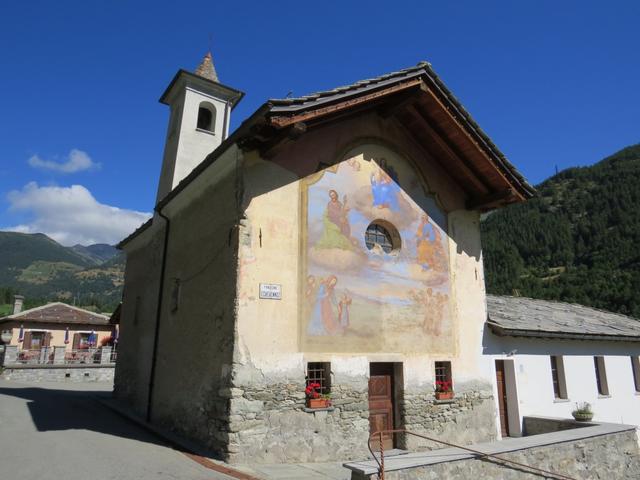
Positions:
(56, 410)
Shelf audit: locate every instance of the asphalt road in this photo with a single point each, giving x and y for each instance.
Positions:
(59, 431)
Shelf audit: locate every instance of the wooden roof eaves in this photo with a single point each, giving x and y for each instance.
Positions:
(281, 116)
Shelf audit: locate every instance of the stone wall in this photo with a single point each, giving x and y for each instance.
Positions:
(466, 419)
(270, 424)
(605, 456)
(64, 373)
(197, 318)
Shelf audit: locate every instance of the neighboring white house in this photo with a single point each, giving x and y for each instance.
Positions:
(551, 355)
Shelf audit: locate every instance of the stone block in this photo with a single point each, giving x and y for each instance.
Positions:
(242, 405)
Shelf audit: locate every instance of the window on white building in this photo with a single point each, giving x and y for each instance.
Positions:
(635, 367)
(601, 376)
(558, 377)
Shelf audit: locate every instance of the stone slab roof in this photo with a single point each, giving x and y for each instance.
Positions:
(423, 68)
(526, 317)
(58, 313)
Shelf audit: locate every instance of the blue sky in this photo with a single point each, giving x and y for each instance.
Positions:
(552, 83)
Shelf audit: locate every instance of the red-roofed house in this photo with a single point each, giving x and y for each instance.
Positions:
(37, 331)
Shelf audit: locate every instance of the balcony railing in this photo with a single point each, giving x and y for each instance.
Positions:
(60, 356)
(82, 355)
(43, 355)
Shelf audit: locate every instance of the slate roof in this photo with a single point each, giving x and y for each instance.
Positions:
(526, 317)
(58, 313)
(423, 68)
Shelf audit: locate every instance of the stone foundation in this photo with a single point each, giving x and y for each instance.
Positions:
(59, 373)
(467, 418)
(270, 424)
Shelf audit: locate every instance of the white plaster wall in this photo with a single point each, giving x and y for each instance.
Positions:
(196, 144)
(186, 146)
(534, 382)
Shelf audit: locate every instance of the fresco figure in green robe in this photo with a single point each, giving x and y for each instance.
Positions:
(337, 230)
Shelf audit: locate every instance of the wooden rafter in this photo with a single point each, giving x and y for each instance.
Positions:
(442, 144)
(469, 138)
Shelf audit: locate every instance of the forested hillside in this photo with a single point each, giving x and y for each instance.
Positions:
(578, 240)
(42, 270)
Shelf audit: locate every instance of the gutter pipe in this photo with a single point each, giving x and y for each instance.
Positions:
(156, 334)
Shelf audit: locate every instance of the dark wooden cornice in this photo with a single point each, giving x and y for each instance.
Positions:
(492, 200)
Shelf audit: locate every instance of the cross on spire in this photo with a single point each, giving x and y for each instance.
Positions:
(206, 68)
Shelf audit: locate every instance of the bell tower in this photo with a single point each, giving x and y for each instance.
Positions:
(200, 109)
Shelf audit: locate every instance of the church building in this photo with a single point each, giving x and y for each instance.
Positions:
(316, 275)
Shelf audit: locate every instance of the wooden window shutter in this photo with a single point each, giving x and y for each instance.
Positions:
(47, 339)
(26, 342)
(76, 341)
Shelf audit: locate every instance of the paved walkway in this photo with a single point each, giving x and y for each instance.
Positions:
(59, 430)
(297, 471)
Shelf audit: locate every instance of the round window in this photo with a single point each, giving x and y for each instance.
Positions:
(382, 235)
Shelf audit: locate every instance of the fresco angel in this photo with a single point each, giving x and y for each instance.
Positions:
(384, 189)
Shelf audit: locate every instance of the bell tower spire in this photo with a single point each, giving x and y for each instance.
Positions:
(206, 69)
(198, 123)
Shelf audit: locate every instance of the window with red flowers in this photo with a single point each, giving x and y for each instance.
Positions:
(444, 382)
(319, 375)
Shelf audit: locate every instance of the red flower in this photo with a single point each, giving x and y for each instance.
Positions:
(310, 391)
(443, 386)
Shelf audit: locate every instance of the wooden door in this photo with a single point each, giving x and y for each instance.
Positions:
(381, 403)
(502, 398)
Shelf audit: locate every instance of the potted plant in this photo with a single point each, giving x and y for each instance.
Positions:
(444, 390)
(314, 398)
(583, 412)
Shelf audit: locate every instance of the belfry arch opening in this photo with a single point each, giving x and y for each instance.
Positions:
(206, 117)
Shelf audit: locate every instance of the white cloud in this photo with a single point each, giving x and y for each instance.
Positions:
(71, 215)
(77, 161)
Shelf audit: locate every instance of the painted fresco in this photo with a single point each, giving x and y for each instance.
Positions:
(365, 300)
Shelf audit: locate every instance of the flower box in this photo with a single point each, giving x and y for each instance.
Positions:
(444, 395)
(318, 403)
(583, 417)
(583, 412)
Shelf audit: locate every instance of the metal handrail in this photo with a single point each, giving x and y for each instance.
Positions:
(380, 462)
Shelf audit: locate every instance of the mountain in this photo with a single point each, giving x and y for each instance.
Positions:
(96, 253)
(42, 270)
(577, 240)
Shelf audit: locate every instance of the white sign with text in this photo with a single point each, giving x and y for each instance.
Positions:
(271, 291)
